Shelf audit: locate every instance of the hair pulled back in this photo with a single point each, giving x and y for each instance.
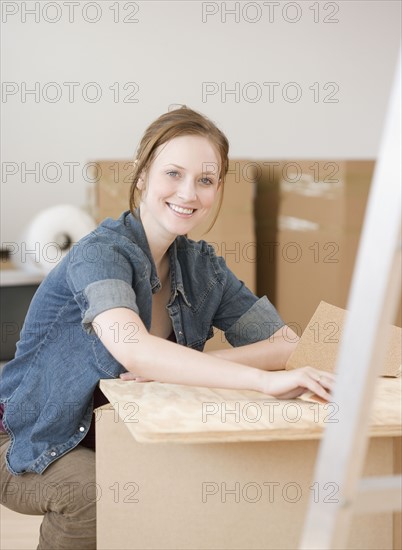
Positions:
(178, 122)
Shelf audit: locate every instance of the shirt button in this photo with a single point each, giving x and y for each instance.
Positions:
(82, 429)
(180, 332)
(53, 453)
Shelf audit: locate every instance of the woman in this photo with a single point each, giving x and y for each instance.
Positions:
(118, 305)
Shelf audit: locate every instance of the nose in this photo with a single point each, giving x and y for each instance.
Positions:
(186, 190)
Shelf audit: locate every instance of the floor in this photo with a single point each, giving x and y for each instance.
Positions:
(18, 531)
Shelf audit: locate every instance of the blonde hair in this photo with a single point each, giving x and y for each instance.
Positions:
(175, 123)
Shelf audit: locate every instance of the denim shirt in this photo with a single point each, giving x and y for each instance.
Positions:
(47, 388)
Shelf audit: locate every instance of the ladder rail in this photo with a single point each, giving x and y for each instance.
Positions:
(379, 494)
(372, 305)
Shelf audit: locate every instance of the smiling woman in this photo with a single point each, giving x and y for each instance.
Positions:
(142, 310)
(175, 197)
(209, 163)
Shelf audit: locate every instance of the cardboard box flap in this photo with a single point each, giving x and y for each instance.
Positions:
(319, 344)
(154, 412)
(158, 412)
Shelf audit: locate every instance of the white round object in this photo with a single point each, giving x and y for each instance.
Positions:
(50, 236)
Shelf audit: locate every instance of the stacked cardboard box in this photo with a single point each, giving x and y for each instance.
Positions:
(110, 194)
(309, 216)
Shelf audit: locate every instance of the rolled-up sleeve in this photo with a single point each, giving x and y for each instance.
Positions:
(243, 316)
(100, 277)
(104, 295)
(258, 323)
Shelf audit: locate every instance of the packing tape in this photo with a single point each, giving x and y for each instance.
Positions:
(50, 236)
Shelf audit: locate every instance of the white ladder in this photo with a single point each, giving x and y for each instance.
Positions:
(372, 305)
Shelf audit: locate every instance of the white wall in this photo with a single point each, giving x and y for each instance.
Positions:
(169, 53)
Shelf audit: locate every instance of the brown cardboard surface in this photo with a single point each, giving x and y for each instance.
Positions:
(319, 344)
(242, 494)
(217, 496)
(113, 180)
(157, 412)
(308, 223)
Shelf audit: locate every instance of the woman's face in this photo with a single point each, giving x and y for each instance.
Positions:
(180, 186)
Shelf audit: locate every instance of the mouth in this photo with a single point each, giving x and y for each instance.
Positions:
(180, 210)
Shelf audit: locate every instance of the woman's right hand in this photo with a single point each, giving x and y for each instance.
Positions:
(288, 384)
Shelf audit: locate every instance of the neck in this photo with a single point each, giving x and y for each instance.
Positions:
(159, 243)
(159, 252)
(162, 267)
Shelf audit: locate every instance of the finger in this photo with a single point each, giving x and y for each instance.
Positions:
(128, 376)
(316, 373)
(321, 389)
(293, 393)
(324, 380)
(327, 377)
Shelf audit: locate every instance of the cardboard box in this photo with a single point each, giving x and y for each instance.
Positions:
(319, 344)
(112, 188)
(232, 236)
(309, 217)
(180, 467)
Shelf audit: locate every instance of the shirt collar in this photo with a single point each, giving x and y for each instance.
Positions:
(176, 274)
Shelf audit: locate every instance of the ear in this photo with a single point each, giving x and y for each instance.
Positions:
(141, 181)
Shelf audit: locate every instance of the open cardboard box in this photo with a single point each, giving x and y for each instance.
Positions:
(319, 345)
(182, 467)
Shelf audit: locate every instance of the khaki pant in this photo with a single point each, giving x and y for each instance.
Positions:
(65, 494)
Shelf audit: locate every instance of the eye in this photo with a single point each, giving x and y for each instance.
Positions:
(173, 173)
(207, 181)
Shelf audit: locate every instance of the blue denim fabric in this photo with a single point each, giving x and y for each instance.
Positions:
(47, 388)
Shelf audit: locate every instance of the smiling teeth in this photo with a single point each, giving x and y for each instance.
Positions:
(181, 210)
